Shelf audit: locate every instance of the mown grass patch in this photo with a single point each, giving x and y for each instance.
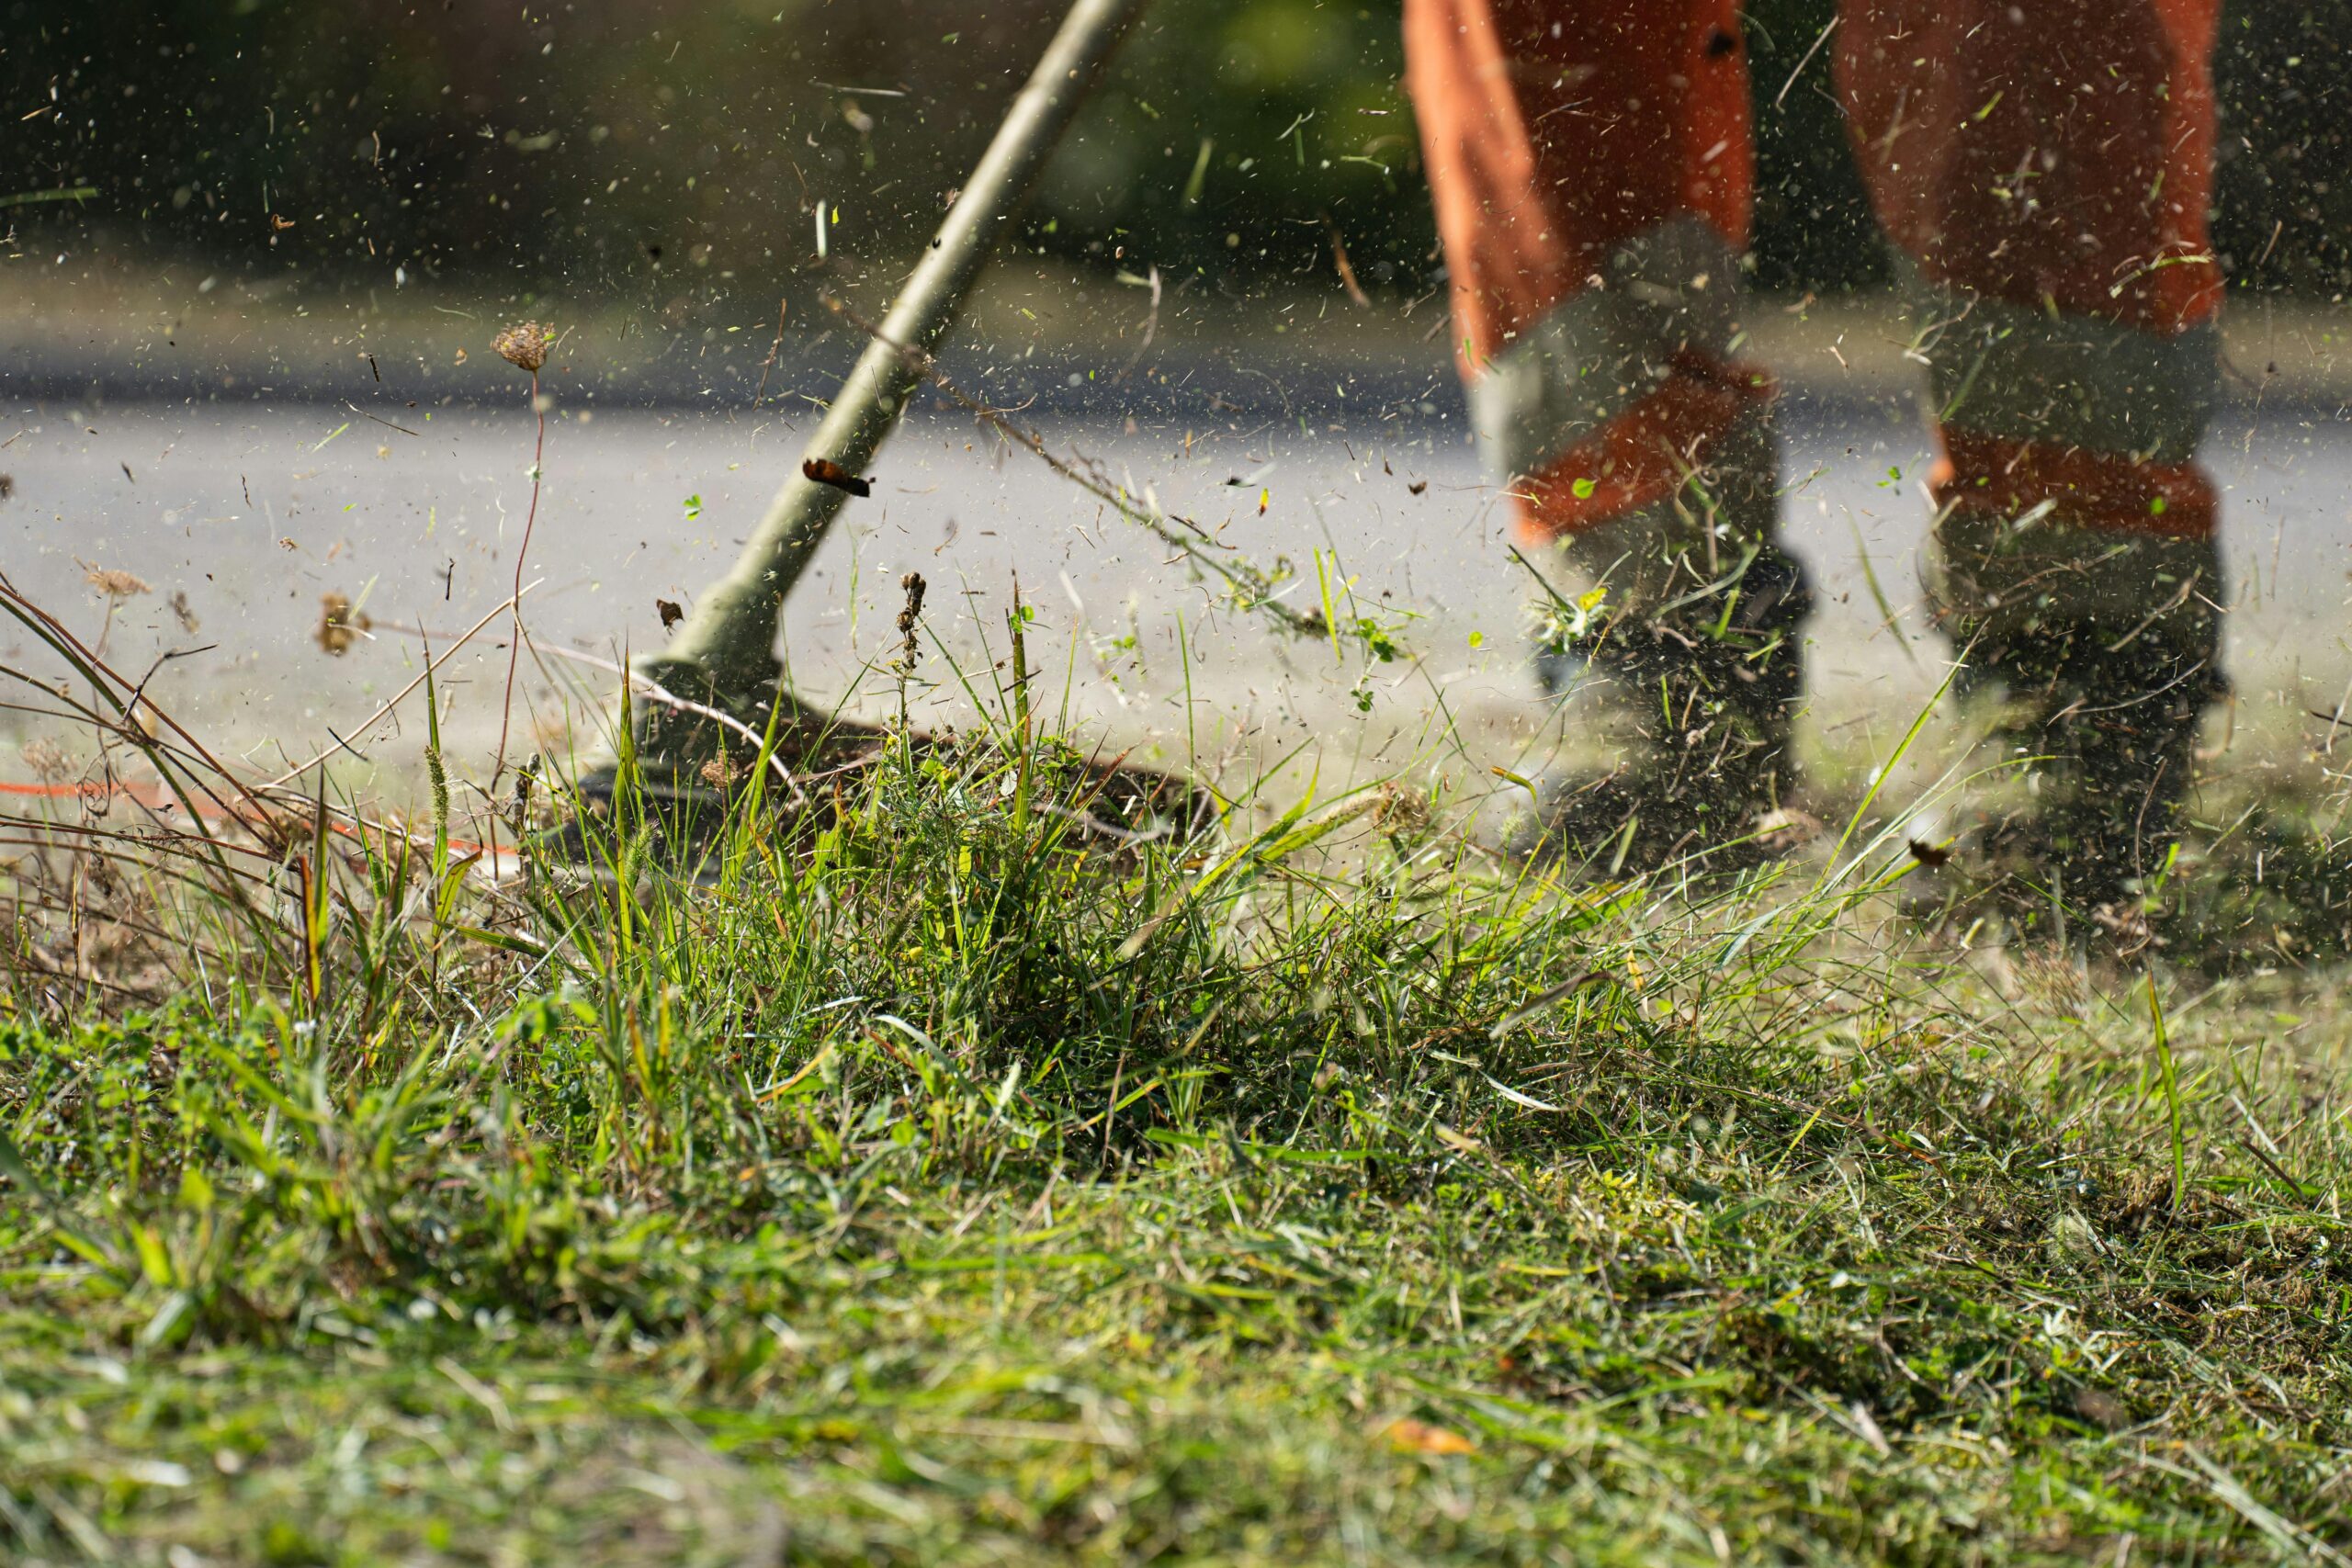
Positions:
(934, 1181)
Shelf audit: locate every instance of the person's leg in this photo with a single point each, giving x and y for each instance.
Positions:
(1592, 170)
(2044, 168)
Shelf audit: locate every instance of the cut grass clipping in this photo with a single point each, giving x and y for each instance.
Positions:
(931, 1183)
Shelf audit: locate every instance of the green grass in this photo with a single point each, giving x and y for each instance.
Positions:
(928, 1188)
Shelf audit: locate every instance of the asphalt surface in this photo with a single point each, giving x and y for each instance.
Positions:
(239, 517)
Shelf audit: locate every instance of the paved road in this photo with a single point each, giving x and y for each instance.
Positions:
(243, 515)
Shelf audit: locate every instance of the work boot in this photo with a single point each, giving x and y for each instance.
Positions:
(1705, 692)
(2103, 725)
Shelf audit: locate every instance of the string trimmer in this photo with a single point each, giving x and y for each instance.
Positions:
(721, 658)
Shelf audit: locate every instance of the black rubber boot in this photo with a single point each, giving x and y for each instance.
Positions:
(1711, 687)
(2115, 715)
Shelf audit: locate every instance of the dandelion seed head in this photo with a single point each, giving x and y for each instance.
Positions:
(48, 760)
(113, 582)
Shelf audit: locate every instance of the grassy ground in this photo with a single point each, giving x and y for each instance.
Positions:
(928, 1186)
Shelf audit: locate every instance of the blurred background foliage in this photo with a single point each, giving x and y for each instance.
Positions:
(597, 147)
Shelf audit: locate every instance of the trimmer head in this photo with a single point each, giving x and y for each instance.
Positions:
(699, 778)
(724, 645)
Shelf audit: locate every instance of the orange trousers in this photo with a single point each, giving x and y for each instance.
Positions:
(2042, 168)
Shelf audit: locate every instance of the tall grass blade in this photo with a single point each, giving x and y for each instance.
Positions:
(2168, 1079)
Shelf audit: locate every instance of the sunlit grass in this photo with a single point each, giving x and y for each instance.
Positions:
(919, 1176)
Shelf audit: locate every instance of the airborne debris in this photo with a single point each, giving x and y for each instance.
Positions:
(188, 622)
(1346, 270)
(338, 627)
(1417, 487)
(825, 471)
(670, 613)
(783, 308)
